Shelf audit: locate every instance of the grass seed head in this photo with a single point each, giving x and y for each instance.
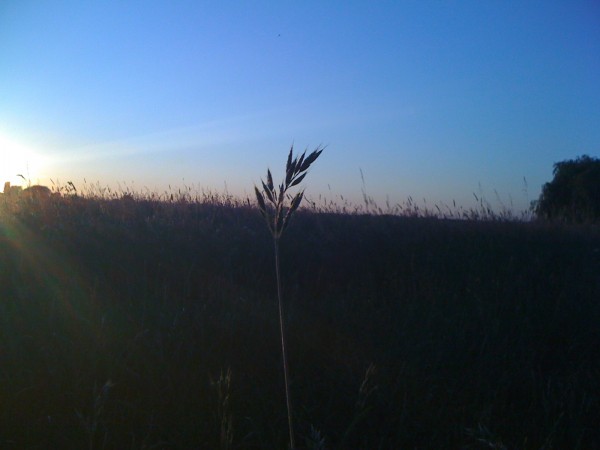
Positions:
(295, 172)
(260, 200)
(269, 180)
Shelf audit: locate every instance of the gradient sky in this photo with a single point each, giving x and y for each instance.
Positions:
(432, 99)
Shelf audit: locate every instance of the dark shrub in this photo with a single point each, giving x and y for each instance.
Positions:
(574, 193)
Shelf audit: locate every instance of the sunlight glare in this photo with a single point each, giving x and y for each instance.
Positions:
(16, 159)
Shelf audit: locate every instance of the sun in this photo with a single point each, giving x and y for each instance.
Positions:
(19, 164)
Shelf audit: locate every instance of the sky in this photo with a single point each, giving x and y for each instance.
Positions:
(437, 100)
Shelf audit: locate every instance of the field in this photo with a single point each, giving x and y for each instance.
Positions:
(144, 322)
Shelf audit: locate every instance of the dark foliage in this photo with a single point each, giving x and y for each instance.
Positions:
(118, 317)
(574, 193)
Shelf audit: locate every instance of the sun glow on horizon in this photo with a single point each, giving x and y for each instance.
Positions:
(19, 164)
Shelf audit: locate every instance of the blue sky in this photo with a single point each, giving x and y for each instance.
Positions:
(432, 99)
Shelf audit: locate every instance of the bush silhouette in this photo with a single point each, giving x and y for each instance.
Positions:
(574, 193)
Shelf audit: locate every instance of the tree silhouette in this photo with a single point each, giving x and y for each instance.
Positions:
(574, 193)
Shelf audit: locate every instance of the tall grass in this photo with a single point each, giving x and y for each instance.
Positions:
(277, 218)
(482, 332)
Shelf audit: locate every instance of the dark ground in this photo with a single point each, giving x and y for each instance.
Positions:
(119, 321)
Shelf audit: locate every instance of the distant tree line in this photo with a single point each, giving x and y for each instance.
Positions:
(574, 193)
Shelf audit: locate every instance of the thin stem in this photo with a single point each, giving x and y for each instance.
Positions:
(282, 330)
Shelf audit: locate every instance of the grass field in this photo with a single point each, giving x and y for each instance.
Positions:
(150, 322)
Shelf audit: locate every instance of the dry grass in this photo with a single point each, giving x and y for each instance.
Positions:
(277, 217)
(483, 332)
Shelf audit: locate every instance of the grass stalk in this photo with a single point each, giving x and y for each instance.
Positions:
(277, 216)
(286, 376)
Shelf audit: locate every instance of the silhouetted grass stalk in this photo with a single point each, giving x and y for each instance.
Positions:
(277, 217)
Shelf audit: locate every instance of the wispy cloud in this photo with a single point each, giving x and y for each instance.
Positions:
(289, 121)
(201, 135)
